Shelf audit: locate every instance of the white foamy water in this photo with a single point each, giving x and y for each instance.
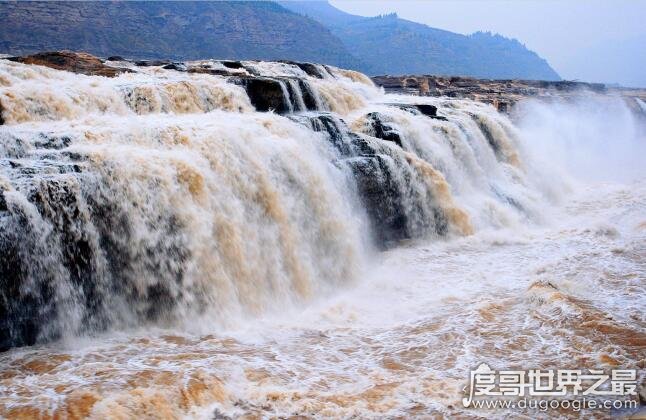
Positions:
(234, 274)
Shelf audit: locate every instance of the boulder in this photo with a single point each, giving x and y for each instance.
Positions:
(382, 199)
(333, 128)
(381, 129)
(74, 62)
(309, 68)
(209, 70)
(428, 110)
(424, 109)
(309, 97)
(265, 93)
(175, 66)
(152, 63)
(19, 315)
(232, 64)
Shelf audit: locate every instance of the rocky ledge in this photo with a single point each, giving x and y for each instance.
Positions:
(76, 62)
(503, 94)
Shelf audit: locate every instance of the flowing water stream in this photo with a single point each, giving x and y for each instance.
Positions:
(168, 251)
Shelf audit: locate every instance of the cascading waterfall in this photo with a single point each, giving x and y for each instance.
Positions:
(163, 196)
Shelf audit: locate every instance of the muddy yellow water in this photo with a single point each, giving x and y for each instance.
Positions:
(399, 343)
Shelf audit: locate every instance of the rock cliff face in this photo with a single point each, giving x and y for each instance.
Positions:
(258, 30)
(503, 94)
(81, 63)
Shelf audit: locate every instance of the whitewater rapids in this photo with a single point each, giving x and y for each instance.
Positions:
(194, 258)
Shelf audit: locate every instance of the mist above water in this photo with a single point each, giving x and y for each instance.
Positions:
(593, 138)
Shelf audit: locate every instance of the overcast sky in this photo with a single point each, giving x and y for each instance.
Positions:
(592, 40)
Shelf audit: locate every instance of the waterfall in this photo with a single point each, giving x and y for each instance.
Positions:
(163, 196)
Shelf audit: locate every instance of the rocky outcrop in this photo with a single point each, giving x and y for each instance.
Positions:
(377, 127)
(383, 177)
(464, 87)
(278, 94)
(314, 70)
(266, 94)
(424, 109)
(502, 94)
(379, 192)
(75, 62)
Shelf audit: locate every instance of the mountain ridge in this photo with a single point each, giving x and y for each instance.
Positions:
(312, 31)
(173, 29)
(387, 44)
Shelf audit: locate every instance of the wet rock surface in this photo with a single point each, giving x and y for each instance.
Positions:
(63, 219)
(61, 225)
(383, 130)
(278, 94)
(175, 66)
(266, 94)
(311, 69)
(382, 176)
(502, 94)
(75, 62)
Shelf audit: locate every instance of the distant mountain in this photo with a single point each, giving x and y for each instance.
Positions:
(176, 30)
(390, 45)
(264, 30)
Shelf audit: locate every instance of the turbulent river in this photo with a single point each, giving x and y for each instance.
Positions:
(170, 251)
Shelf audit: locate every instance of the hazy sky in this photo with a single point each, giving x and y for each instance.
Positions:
(593, 40)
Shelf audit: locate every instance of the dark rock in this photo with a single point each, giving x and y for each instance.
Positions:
(490, 139)
(208, 70)
(175, 66)
(295, 94)
(502, 94)
(309, 68)
(52, 142)
(151, 63)
(382, 130)
(85, 231)
(23, 311)
(301, 95)
(393, 206)
(423, 109)
(265, 94)
(232, 64)
(381, 197)
(337, 133)
(308, 96)
(428, 110)
(503, 107)
(116, 58)
(74, 62)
